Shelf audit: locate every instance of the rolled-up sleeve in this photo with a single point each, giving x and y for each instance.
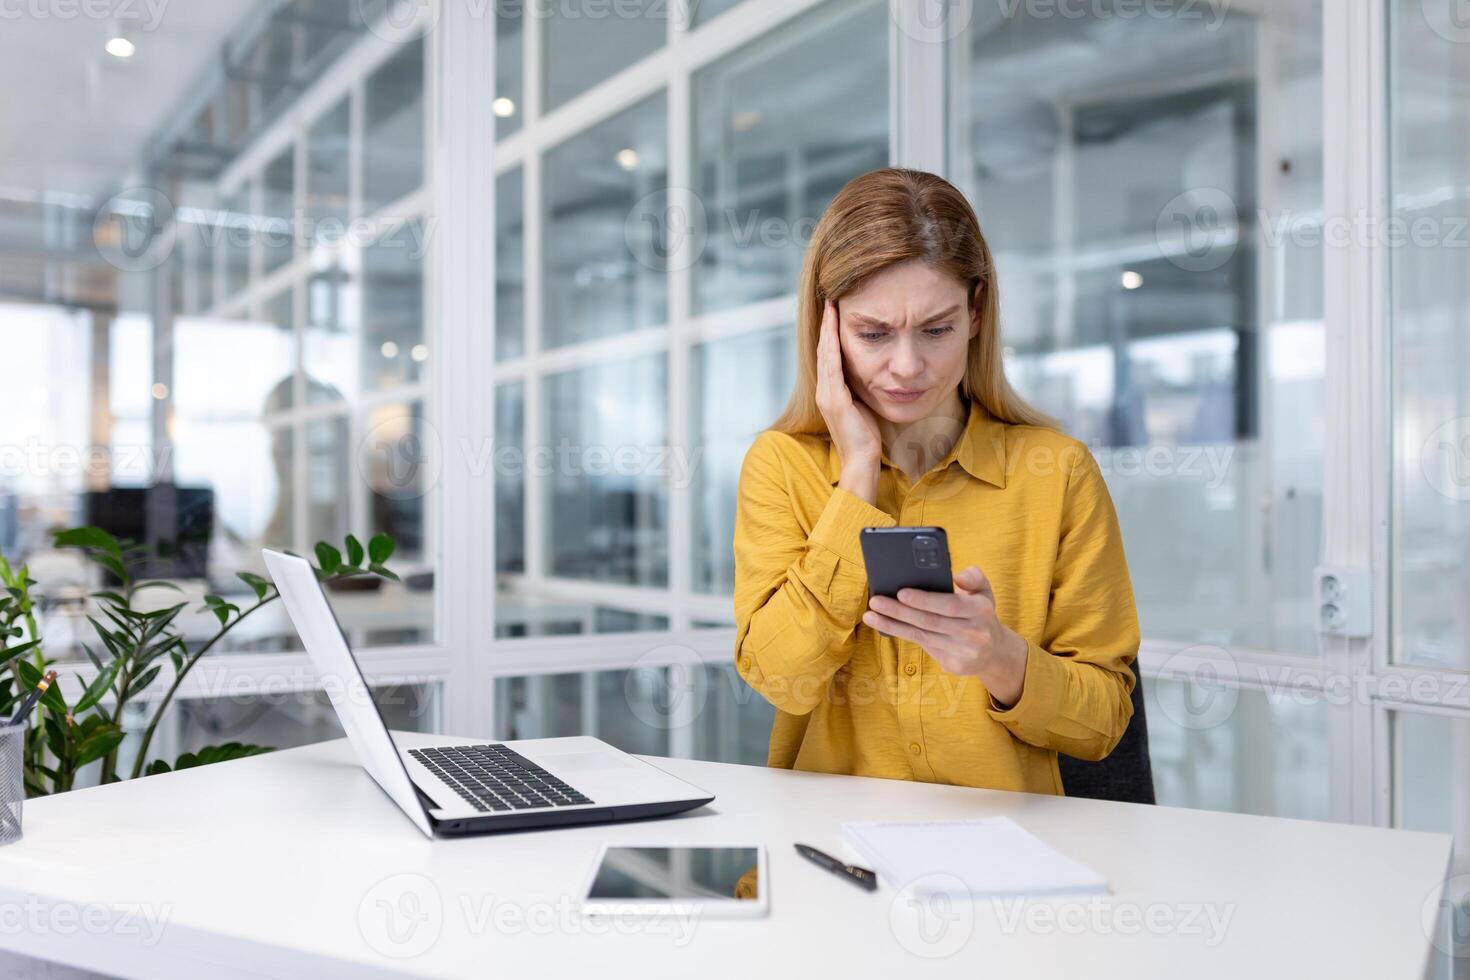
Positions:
(1077, 695)
(799, 596)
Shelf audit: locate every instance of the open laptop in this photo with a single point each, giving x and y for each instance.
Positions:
(477, 787)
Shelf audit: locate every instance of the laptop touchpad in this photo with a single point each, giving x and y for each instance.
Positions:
(582, 761)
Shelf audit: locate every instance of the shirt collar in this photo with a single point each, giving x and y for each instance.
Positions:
(980, 450)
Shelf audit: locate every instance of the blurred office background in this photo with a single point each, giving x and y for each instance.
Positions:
(222, 301)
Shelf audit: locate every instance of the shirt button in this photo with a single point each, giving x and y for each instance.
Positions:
(745, 663)
(911, 669)
(915, 748)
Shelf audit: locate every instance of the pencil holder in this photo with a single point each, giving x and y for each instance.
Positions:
(12, 780)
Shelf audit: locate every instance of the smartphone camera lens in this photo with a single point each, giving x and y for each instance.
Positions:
(926, 551)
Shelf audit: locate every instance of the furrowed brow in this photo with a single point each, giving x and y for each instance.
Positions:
(941, 315)
(871, 321)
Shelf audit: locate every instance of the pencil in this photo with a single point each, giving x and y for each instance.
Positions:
(32, 698)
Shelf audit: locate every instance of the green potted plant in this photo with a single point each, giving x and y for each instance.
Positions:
(134, 646)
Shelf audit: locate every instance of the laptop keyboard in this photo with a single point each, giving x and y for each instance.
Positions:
(494, 777)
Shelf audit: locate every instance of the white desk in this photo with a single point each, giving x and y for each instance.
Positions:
(287, 864)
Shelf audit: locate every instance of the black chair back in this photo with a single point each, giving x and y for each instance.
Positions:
(1126, 774)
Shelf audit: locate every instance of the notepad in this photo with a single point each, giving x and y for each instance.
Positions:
(989, 857)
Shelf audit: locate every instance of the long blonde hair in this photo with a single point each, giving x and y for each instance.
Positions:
(881, 218)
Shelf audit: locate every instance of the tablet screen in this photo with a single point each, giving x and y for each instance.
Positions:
(652, 873)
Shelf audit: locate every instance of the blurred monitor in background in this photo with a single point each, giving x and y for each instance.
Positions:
(172, 523)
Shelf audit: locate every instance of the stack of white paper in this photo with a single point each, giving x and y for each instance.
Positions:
(987, 857)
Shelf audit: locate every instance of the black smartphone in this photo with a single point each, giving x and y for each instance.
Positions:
(906, 558)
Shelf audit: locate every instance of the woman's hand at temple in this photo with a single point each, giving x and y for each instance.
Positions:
(959, 630)
(851, 424)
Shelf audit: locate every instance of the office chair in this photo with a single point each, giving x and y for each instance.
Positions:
(1126, 775)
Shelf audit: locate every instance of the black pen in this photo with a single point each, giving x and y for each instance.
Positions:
(32, 698)
(858, 876)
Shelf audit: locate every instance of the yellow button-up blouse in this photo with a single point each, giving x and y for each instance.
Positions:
(1028, 505)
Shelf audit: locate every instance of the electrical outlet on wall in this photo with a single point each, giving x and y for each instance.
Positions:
(1344, 601)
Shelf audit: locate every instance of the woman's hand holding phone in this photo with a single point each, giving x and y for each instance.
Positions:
(960, 630)
(851, 424)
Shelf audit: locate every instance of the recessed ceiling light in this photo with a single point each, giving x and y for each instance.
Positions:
(419, 353)
(1131, 279)
(160, 390)
(627, 159)
(120, 47)
(503, 107)
(389, 349)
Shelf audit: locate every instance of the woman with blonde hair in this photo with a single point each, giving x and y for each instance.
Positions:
(902, 415)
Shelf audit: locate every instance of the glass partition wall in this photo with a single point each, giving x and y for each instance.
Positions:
(1150, 187)
(1424, 779)
(655, 203)
(289, 375)
(300, 348)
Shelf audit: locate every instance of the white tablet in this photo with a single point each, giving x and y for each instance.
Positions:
(697, 881)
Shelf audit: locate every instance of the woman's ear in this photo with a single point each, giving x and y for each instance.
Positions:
(975, 295)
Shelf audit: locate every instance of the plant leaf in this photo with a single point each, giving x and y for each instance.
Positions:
(329, 558)
(159, 619)
(256, 583)
(113, 565)
(354, 551)
(119, 620)
(11, 653)
(99, 687)
(156, 585)
(380, 548)
(219, 607)
(142, 682)
(96, 660)
(55, 736)
(377, 569)
(208, 755)
(98, 744)
(89, 537)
